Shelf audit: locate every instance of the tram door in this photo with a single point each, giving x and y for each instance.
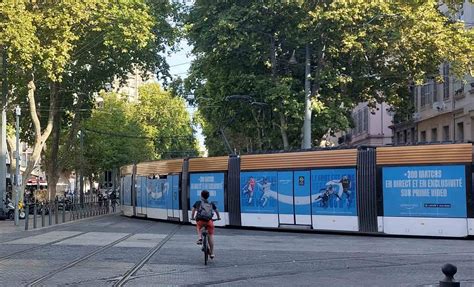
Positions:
(175, 191)
(294, 198)
(141, 203)
(302, 190)
(172, 195)
(286, 206)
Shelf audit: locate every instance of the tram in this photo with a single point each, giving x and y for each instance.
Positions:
(421, 190)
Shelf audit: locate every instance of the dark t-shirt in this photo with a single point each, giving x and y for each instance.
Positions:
(197, 204)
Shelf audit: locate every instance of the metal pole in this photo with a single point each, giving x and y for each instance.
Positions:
(50, 218)
(17, 155)
(56, 211)
(307, 102)
(42, 215)
(35, 210)
(3, 133)
(27, 223)
(64, 210)
(81, 180)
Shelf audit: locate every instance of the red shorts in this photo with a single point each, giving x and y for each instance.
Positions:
(210, 226)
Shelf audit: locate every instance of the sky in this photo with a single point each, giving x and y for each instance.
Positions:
(179, 65)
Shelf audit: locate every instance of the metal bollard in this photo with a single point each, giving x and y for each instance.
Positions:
(42, 216)
(50, 216)
(448, 281)
(35, 210)
(27, 217)
(64, 211)
(56, 211)
(71, 213)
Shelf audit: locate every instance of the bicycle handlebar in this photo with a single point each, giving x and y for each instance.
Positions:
(214, 219)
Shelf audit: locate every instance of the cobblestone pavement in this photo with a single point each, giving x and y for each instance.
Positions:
(109, 251)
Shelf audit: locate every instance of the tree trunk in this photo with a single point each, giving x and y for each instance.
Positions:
(283, 123)
(40, 137)
(259, 131)
(316, 86)
(284, 135)
(52, 170)
(75, 122)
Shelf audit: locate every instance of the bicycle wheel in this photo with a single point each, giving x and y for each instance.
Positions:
(205, 248)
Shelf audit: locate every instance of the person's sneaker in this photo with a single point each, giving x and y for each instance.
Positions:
(212, 256)
(199, 242)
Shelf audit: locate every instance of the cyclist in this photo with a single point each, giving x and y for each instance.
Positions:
(202, 212)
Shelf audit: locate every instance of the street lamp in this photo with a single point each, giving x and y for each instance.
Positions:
(17, 172)
(81, 179)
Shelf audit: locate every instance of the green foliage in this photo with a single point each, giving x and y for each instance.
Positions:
(158, 126)
(360, 51)
(113, 137)
(165, 119)
(72, 49)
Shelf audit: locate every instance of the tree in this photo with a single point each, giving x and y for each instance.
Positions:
(239, 52)
(61, 49)
(373, 52)
(359, 51)
(113, 137)
(165, 119)
(119, 39)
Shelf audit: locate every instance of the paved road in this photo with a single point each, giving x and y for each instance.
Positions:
(103, 251)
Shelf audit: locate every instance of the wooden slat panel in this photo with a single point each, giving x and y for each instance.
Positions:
(425, 154)
(126, 170)
(160, 167)
(329, 158)
(219, 163)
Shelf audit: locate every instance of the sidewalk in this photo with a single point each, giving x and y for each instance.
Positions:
(8, 226)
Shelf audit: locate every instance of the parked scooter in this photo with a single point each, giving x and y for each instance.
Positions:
(11, 210)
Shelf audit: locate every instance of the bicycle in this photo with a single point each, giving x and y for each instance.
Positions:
(205, 242)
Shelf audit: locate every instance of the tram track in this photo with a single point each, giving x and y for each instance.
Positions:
(292, 273)
(131, 272)
(83, 258)
(303, 261)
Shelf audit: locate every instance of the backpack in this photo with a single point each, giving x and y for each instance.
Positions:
(205, 211)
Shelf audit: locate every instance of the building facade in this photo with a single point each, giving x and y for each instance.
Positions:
(371, 127)
(444, 110)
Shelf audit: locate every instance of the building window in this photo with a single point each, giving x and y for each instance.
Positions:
(446, 133)
(424, 99)
(399, 138)
(415, 96)
(423, 136)
(460, 132)
(359, 122)
(434, 135)
(446, 81)
(413, 140)
(435, 91)
(366, 119)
